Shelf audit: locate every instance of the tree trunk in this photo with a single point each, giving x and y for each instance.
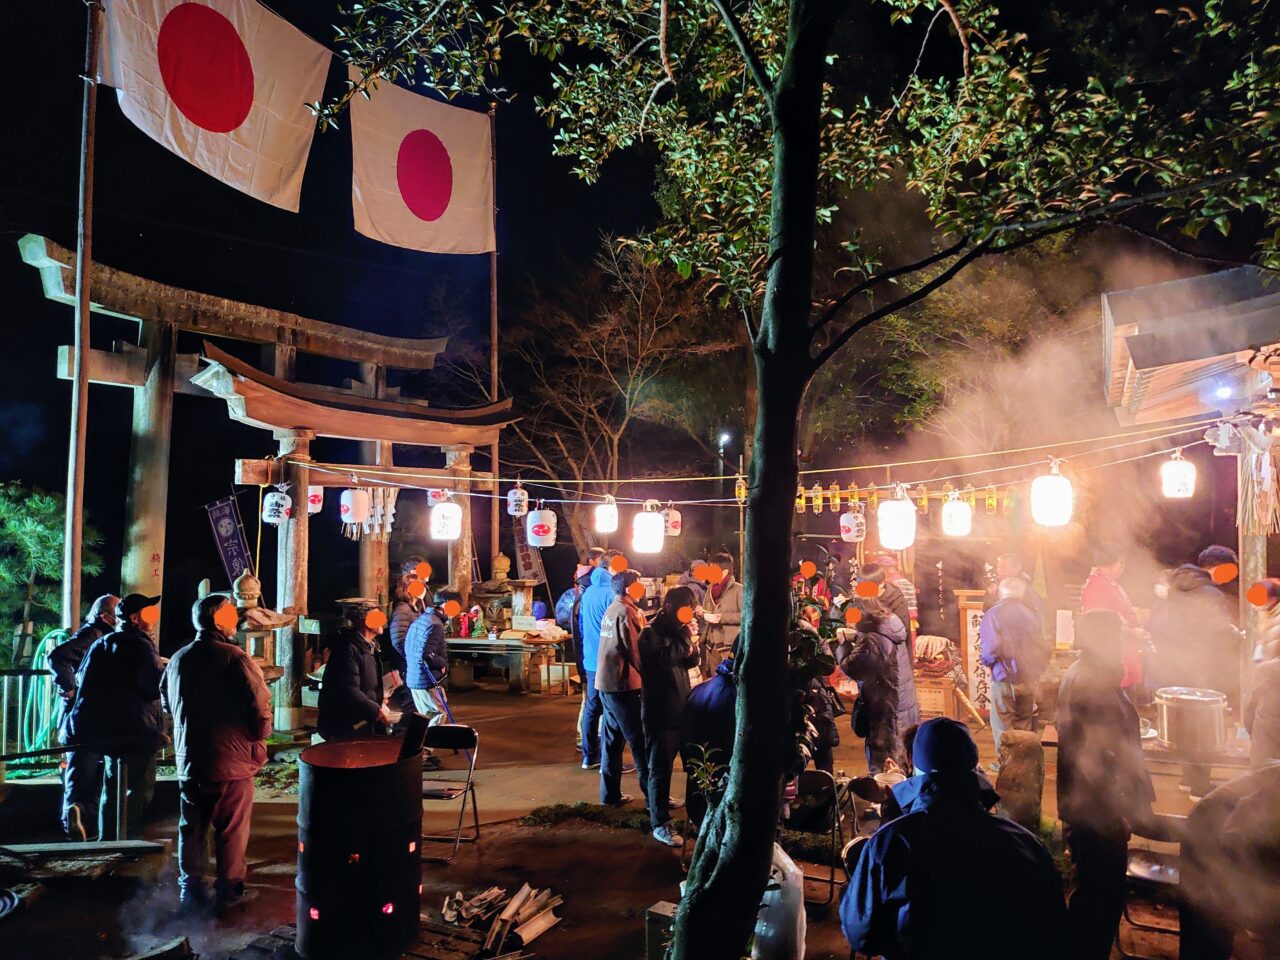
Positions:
(730, 865)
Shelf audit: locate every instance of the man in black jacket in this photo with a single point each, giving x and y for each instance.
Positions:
(82, 785)
(118, 706)
(221, 712)
(351, 692)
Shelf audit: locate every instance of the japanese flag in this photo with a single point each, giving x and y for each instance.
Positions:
(222, 83)
(422, 172)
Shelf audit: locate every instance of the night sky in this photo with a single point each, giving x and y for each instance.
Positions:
(160, 218)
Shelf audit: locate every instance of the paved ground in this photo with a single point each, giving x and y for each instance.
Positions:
(526, 759)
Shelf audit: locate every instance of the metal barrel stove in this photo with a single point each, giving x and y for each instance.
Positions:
(359, 859)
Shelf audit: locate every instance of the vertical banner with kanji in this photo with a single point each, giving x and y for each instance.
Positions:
(528, 560)
(228, 535)
(979, 676)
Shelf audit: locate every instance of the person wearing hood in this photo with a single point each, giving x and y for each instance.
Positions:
(891, 594)
(721, 615)
(879, 659)
(82, 785)
(687, 579)
(903, 901)
(667, 654)
(1013, 646)
(350, 703)
(618, 682)
(118, 706)
(596, 599)
(221, 711)
(568, 620)
(1104, 790)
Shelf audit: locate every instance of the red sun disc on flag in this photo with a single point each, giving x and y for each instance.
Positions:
(205, 67)
(424, 174)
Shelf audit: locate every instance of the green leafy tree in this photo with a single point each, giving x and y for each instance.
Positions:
(1003, 126)
(31, 532)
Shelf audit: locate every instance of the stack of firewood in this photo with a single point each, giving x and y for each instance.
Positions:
(510, 923)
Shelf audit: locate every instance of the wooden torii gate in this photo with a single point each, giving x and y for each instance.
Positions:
(367, 410)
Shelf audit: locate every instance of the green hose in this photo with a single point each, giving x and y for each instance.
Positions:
(37, 712)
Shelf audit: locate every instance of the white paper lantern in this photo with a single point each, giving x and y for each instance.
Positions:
(315, 499)
(517, 501)
(957, 517)
(540, 527)
(1052, 498)
(648, 531)
(1178, 477)
(277, 507)
(607, 515)
(437, 496)
(673, 523)
(853, 526)
(354, 506)
(896, 519)
(446, 521)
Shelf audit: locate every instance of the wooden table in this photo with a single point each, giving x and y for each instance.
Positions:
(522, 657)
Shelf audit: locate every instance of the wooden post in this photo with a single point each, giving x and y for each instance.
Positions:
(291, 580)
(495, 526)
(73, 532)
(375, 554)
(459, 458)
(148, 497)
(1253, 567)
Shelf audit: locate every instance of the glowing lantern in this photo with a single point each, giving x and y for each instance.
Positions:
(991, 500)
(354, 505)
(446, 521)
(896, 519)
(517, 501)
(922, 498)
(833, 495)
(648, 529)
(853, 525)
(607, 515)
(740, 490)
(437, 496)
(1052, 498)
(957, 517)
(672, 522)
(315, 499)
(540, 527)
(799, 499)
(1178, 477)
(815, 496)
(277, 507)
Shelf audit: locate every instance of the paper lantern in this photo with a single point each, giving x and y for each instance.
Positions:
(277, 507)
(517, 501)
(446, 521)
(437, 496)
(957, 518)
(815, 497)
(740, 491)
(853, 526)
(673, 523)
(315, 499)
(648, 530)
(896, 519)
(540, 527)
(799, 499)
(1178, 477)
(1052, 498)
(607, 515)
(833, 495)
(354, 505)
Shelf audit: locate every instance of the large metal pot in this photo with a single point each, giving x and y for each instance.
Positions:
(1191, 719)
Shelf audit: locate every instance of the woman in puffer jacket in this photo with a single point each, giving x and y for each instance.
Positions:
(879, 659)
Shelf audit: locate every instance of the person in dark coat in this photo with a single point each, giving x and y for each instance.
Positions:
(687, 579)
(1104, 790)
(1013, 646)
(351, 692)
(82, 784)
(904, 899)
(879, 659)
(221, 711)
(618, 683)
(891, 594)
(427, 657)
(667, 654)
(118, 706)
(1261, 715)
(409, 605)
(710, 727)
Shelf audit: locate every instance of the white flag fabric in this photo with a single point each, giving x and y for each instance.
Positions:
(222, 83)
(421, 173)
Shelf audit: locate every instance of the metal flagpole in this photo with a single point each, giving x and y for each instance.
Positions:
(73, 533)
(494, 524)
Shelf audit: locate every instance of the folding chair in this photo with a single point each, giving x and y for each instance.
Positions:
(1159, 872)
(453, 736)
(820, 786)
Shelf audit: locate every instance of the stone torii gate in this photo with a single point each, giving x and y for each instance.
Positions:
(367, 410)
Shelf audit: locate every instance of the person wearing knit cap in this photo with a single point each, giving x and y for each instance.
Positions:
(903, 900)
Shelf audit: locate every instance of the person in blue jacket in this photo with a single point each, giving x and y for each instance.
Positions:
(1015, 650)
(595, 601)
(427, 664)
(710, 726)
(904, 900)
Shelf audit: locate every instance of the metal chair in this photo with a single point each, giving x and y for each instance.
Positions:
(1152, 869)
(453, 736)
(820, 787)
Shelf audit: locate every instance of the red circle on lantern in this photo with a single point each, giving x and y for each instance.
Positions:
(541, 529)
(205, 67)
(424, 174)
